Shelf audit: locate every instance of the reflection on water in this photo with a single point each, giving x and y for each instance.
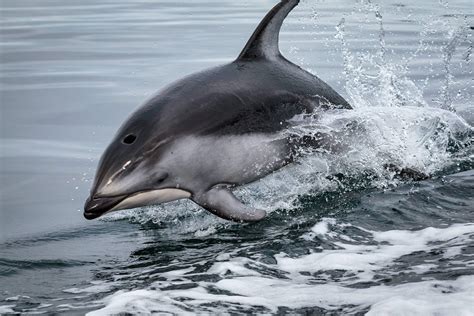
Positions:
(72, 71)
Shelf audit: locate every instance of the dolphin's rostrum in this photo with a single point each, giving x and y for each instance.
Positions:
(211, 131)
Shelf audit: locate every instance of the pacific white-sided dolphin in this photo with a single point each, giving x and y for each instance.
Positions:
(211, 131)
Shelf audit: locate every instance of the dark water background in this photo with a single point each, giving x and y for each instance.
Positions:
(71, 72)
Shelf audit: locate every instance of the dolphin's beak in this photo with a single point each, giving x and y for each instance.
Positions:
(98, 206)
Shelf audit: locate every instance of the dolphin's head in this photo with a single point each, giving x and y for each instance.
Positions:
(131, 172)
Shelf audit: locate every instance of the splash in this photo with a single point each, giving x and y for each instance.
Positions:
(379, 75)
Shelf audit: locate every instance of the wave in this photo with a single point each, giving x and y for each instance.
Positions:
(11, 266)
(348, 273)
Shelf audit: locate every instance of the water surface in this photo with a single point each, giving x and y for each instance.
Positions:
(71, 72)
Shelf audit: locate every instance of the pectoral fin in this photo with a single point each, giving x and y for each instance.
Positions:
(221, 202)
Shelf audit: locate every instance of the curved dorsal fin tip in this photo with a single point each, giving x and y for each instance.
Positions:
(264, 41)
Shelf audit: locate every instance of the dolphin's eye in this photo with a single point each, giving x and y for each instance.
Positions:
(129, 139)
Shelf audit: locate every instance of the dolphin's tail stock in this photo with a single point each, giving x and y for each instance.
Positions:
(264, 41)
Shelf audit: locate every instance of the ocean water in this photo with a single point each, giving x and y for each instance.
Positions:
(365, 243)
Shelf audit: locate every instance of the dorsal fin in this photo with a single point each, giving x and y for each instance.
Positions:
(264, 40)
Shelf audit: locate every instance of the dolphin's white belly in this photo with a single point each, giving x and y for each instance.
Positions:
(230, 159)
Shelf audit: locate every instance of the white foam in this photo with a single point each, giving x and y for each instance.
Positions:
(236, 266)
(16, 298)
(177, 273)
(367, 259)
(138, 302)
(248, 287)
(420, 298)
(452, 251)
(97, 288)
(429, 298)
(206, 231)
(322, 227)
(5, 309)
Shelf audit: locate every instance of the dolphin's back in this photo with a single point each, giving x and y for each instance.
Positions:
(240, 97)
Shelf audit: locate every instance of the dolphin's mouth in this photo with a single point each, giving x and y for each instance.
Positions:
(96, 207)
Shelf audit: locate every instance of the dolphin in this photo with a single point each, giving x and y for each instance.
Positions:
(213, 130)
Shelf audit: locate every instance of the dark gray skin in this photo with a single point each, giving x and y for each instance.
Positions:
(211, 131)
